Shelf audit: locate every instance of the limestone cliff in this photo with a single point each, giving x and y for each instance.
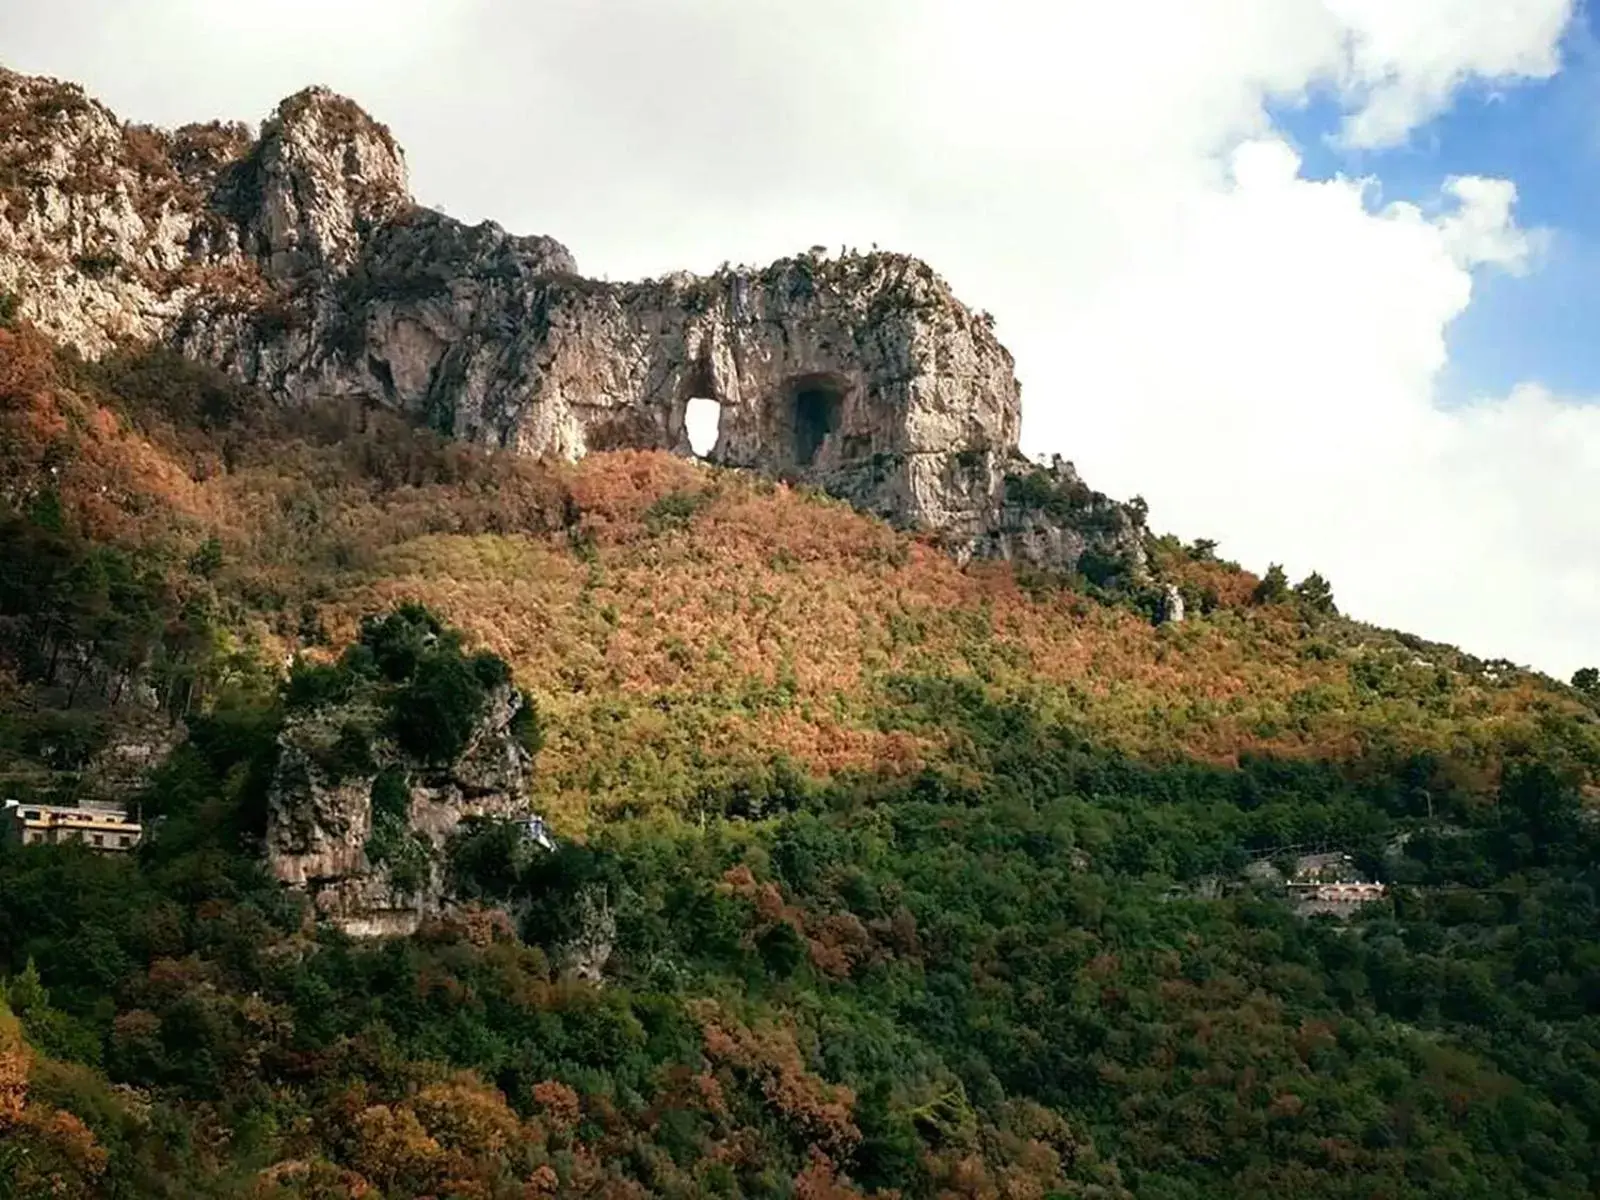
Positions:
(381, 759)
(1049, 517)
(326, 830)
(297, 261)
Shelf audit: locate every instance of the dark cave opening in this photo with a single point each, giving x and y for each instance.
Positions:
(816, 415)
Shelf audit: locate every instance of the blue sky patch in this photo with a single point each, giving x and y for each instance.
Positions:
(1539, 327)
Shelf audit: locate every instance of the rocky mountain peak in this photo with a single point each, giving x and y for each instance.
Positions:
(44, 123)
(298, 261)
(323, 177)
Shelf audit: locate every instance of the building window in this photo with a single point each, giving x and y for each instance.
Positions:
(125, 840)
(99, 840)
(31, 815)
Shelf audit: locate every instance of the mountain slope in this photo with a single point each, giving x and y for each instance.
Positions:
(677, 622)
(877, 871)
(901, 875)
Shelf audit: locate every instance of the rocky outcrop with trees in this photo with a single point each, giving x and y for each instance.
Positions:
(382, 756)
(297, 260)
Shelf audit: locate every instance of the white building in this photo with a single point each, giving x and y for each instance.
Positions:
(102, 827)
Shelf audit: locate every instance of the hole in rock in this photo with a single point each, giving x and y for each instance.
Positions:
(701, 420)
(816, 415)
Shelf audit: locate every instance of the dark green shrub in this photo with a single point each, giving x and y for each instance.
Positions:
(435, 713)
(312, 685)
(311, 630)
(391, 796)
(207, 560)
(1316, 593)
(490, 669)
(1273, 588)
(485, 859)
(399, 640)
(350, 756)
(163, 383)
(526, 727)
(64, 739)
(675, 510)
(96, 265)
(1101, 569)
(410, 863)
(782, 949)
(393, 843)
(359, 662)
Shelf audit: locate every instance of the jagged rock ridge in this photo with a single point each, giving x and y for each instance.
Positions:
(297, 260)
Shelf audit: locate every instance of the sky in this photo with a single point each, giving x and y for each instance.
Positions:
(1316, 278)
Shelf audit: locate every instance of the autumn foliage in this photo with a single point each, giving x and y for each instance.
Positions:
(922, 879)
(43, 1150)
(683, 628)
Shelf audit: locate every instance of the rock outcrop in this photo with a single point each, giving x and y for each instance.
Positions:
(1048, 517)
(364, 834)
(297, 261)
(138, 742)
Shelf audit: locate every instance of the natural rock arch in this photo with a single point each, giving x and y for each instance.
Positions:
(702, 421)
(301, 264)
(697, 410)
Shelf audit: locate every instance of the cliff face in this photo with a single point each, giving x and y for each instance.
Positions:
(365, 834)
(297, 261)
(382, 756)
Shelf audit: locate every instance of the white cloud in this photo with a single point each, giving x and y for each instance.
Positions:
(1194, 320)
(1269, 379)
(1482, 232)
(1406, 60)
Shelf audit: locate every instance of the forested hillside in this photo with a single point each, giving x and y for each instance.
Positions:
(910, 879)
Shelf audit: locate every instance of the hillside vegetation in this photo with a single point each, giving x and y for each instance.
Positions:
(924, 880)
(684, 627)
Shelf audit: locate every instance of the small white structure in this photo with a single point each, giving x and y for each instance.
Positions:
(533, 830)
(103, 827)
(1338, 899)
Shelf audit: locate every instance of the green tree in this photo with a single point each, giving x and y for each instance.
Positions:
(1315, 593)
(782, 949)
(1274, 586)
(526, 726)
(26, 994)
(435, 713)
(398, 641)
(207, 560)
